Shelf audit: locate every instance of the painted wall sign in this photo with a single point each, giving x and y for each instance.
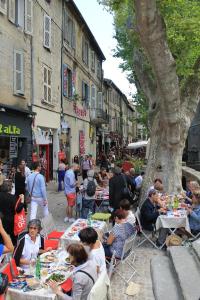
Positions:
(65, 87)
(80, 112)
(9, 129)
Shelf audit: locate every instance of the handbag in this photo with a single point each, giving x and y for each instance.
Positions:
(19, 220)
(126, 191)
(28, 198)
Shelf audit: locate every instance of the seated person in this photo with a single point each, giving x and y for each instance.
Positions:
(29, 245)
(125, 206)
(118, 235)
(194, 213)
(89, 238)
(150, 213)
(157, 185)
(191, 187)
(3, 285)
(6, 245)
(84, 274)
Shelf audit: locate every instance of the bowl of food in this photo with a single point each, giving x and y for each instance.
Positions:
(58, 277)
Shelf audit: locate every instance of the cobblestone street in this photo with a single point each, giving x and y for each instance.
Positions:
(57, 205)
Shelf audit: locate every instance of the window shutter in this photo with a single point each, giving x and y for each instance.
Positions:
(83, 49)
(93, 97)
(47, 31)
(18, 72)
(83, 90)
(11, 10)
(73, 35)
(88, 96)
(100, 102)
(28, 16)
(65, 26)
(3, 6)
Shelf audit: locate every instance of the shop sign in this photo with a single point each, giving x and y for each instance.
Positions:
(81, 142)
(64, 80)
(13, 153)
(9, 129)
(80, 112)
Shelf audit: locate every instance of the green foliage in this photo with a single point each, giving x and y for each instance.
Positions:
(182, 19)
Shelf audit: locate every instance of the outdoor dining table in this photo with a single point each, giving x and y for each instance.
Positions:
(71, 234)
(42, 293)
(173, 220)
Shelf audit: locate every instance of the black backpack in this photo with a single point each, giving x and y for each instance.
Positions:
(91, 188)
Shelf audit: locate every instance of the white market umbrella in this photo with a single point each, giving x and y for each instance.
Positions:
(137, 145)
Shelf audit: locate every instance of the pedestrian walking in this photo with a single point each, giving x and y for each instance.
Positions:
(70, 191)
(90, 185)
(85, 166)
(61, 174)
(37, 190)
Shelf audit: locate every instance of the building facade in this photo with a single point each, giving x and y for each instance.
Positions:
(15, 82)
(82, 103)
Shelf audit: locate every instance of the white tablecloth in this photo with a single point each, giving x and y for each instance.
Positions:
(71, 234)
(43, 294)
(171, 221)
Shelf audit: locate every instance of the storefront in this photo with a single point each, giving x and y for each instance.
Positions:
(15, 137)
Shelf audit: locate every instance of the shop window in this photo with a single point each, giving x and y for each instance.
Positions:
(47, 32)
(18, 72)
(69, 31)
(3, 7)
(85, 93)
(47, 84)
(85, 51)
(67, 82)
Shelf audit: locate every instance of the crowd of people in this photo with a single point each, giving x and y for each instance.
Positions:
(89, 256)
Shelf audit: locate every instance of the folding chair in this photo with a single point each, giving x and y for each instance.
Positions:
(51, 244)
(127, 258)
(49, 228)
(7, 270)
(146, 235)
(101, 287)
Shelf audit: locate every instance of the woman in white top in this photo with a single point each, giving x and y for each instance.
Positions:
(89, 238)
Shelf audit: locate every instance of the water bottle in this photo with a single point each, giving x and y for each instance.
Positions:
(32, 264)
(176, 202)
(38, 268)
(89, 218)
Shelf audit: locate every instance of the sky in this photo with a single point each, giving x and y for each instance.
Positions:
(101, 24)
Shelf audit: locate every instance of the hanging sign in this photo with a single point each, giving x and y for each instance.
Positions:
(13, 153)
(81, 142)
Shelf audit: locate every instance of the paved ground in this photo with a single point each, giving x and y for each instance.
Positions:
(57, 205)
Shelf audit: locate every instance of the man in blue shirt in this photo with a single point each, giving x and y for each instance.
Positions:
(70, 191)
(37, 190)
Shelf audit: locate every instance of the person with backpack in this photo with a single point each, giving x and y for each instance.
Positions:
(89, 185)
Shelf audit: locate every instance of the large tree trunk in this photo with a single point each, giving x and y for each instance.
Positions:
(171, 109)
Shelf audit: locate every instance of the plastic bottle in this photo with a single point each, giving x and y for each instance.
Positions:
(38, 268)
(32, 264)
(176, 202)
(89, 220)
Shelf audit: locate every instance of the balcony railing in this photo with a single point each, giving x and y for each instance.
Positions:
(98, 116)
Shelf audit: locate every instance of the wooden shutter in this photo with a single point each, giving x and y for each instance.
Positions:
(18, 72)
(65, 30)
(73, 35)
(28, 16)
(83, 49)
(83, 90)
(47, 31)
(99, 100)
(93, 96)
(11, 10)
(3, 6)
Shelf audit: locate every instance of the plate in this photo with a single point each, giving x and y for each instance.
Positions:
(57, 276)
(48, 257)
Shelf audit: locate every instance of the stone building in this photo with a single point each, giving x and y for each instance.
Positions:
(82, 102)
(15, 81)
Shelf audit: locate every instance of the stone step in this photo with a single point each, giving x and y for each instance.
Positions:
(164, 280)
(187, 270)
(196, 248)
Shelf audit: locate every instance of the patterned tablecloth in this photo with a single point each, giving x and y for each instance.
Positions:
(173, 220)
(71, 234)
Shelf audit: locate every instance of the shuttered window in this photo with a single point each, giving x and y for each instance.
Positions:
(28, 16)
(69, 31)
(93, 96)
(3, 6)
(47, 84)
(47, 31)
(99, 100)
(18, 72)
(99, 69)
(11, 11)
(85, 51)
(92, 60)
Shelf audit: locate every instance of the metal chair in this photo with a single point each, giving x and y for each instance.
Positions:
(147, 236)
(127, 258)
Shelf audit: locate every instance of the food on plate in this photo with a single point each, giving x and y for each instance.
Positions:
(56, 277)
(33, 283)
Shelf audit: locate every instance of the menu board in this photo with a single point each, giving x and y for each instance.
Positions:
(13, 147)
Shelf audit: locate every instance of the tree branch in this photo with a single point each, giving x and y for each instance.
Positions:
(152, 33)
